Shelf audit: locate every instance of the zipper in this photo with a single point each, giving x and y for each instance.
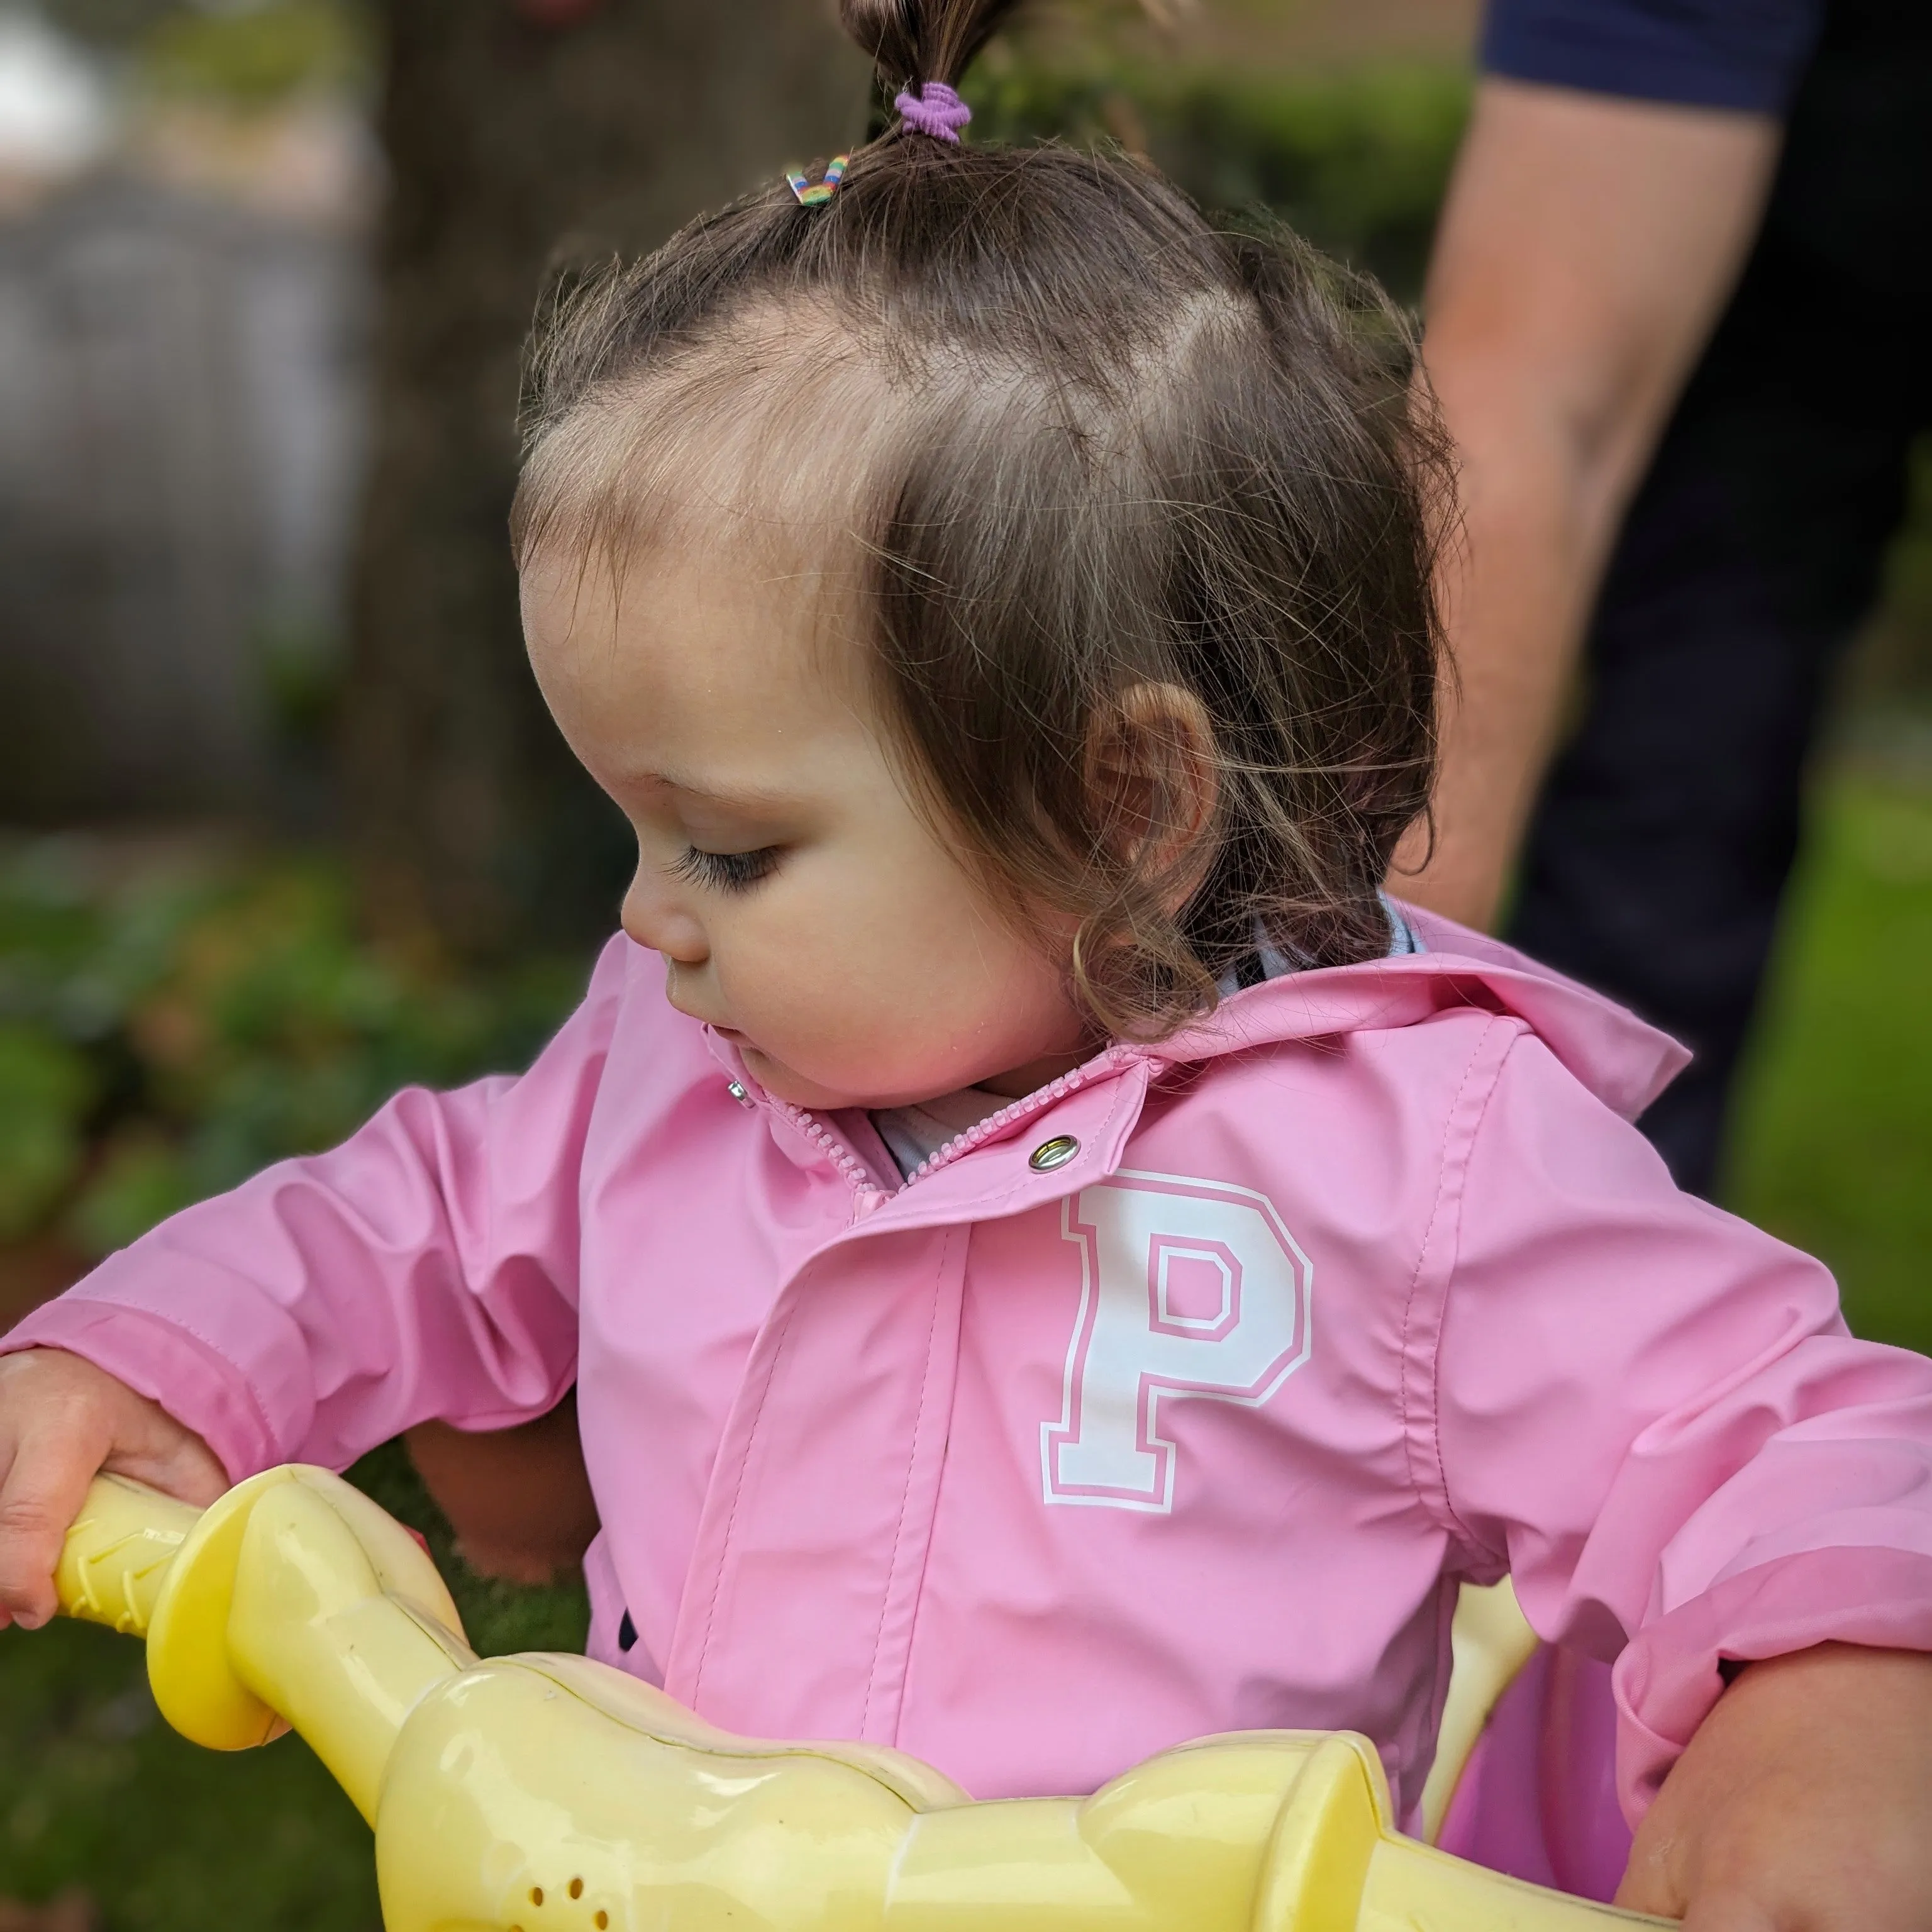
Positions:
(833, 1146)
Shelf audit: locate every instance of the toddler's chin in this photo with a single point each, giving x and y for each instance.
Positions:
(863, 1086)
(785, 1083)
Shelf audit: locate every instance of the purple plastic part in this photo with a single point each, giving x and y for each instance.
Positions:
(1538, 1800)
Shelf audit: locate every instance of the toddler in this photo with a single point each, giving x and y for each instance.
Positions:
(1053, 1262)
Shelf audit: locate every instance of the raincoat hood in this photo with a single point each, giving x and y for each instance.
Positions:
(1622, 1060)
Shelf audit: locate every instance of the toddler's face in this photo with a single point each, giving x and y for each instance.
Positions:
(801, 905)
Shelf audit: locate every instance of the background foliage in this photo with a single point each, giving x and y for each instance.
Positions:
(167, 1028)
(1356, 160)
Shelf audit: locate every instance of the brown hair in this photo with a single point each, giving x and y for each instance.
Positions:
(1113, 446)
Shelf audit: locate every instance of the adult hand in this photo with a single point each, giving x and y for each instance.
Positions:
(62, 1422)
(1801, 1805)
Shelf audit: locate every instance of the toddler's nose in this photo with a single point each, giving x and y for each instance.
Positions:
(654, 918)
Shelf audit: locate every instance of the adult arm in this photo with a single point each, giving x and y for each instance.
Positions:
(1587, 246)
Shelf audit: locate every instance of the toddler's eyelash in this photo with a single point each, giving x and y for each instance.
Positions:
(725, 872)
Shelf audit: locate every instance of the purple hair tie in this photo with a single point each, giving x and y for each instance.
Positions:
(934, 110)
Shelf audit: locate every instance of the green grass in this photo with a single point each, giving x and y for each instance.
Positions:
(1833, 1149)
(96, 1791)
(1834, 1152)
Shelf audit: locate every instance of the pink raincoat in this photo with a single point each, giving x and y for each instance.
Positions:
(1177, 1398)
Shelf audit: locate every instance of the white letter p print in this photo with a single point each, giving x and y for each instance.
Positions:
(1190, 1288)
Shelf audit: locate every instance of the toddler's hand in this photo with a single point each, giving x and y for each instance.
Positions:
(62, 1421)
(1801, 1804)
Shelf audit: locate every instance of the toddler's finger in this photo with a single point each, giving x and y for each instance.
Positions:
(42, 1495)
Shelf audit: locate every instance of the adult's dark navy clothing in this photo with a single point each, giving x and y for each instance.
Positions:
(1667, 828)
(1748, 54)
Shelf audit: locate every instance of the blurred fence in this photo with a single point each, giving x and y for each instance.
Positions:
(180, 427)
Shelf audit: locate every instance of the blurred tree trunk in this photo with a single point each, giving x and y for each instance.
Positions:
(522, 136)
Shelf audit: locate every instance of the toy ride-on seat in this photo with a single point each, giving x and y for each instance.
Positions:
(553, 1794)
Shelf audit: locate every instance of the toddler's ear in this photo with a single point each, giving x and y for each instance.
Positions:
(1153, 775)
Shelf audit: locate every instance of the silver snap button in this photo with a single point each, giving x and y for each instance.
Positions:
(736, 1088)
(1055, 1153)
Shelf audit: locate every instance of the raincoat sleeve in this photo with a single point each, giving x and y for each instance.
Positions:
(1653, 1416)
(426, 1267)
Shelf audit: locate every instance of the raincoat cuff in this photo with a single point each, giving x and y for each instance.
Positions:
(200, 1388)
(1670, 1674)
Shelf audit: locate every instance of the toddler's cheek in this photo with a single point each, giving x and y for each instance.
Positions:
(862, 1063)
(840, 1037)
(878, 1050)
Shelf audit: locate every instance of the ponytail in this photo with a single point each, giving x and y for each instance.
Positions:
(914, 43)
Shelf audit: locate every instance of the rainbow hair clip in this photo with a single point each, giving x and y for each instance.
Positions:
(816, 193)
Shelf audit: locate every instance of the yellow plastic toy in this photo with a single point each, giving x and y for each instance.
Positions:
(551, 1794)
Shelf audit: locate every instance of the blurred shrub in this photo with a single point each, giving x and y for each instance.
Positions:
(112, 24)
(247, 53)
(253, 56)
(166, 1031)
(46, 1088)
(1357, 161)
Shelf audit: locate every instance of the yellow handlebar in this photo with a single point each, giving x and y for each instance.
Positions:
(117, 1553)
(294, 1601)
(551, 1794)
